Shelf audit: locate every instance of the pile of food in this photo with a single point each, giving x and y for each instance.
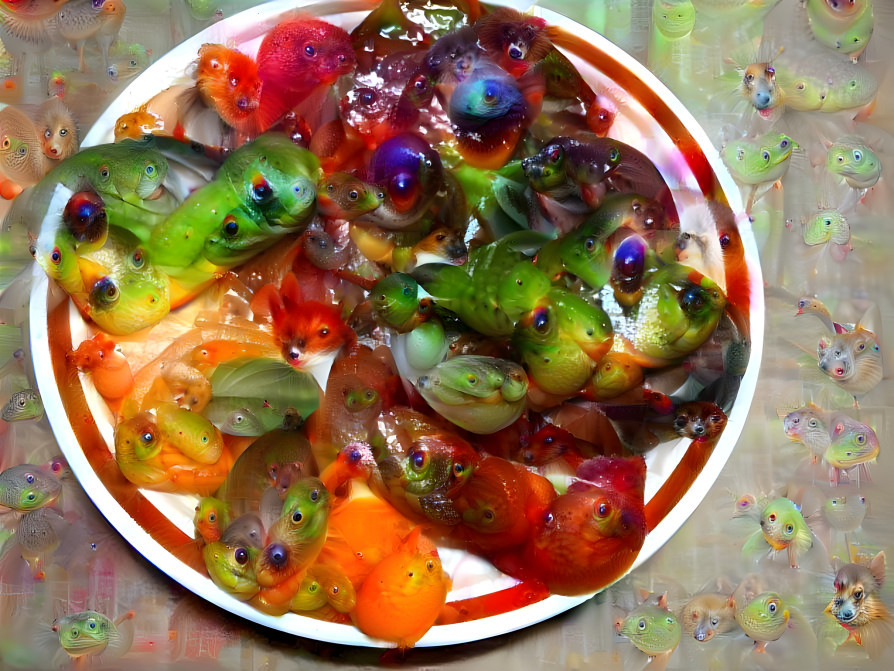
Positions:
(443, 307)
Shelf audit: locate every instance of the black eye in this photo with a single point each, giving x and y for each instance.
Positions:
(147, 437)
(858, 594)
(240, 555)
(458, 469)
(212, 517)
(772, 607)
(642, 624)
(56, 255)
(315, 494)
(230, 227)
(725, 241)
(297, 516)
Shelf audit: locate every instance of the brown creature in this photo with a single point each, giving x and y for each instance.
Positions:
(699, 420)
(858, 607)
(708, 614)
(57, 129)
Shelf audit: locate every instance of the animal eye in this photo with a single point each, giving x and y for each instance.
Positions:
(48, 133)
(133, 62)
(858, 155)
(783, 144)
(749, 77)
(419, 459)
(715, 621)
(230, 226)
(74, 633)
(29, 478)
(772, 517)
(770, 71)
(91, 624)
(309, 50)
(789, 528)
(861, 438)
(641, 624)
(297, 516)
(430, 565)
(766, 155)
(212, 517)
(104, 172)
(234, 81)
(458, 469)
(150, 170)
(811, 423)
(137, 259)
(314, 494)
(472, 379)
(324, 331)
(724, 241)
(772, 607)
(614, 155)
(603, 508)
(590, 244)
(55, 255)
(353, 194)
(858, 594)
(147, 437)
(861, 346)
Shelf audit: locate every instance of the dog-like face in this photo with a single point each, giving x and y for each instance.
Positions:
(856, 587)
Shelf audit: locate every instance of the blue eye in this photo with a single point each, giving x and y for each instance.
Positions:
(230, 226)
(309, 50)
(150, 170)
(858, 155)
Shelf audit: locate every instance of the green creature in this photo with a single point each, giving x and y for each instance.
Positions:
(763, 619)
(22, 405)
(88, 632)
(190, 433)
(478, 393)
(851, 86)
(845, 28)
(231, 567)
(827, 226)
(246, 416)
(852, 160)
(299, 533)
(399, 302)
(853, 443)
(652, 628)
(802, 91)
(345, 196)
(495, 287)
(674, 19)
(27, 487)
(782, 528)
(678, 311)
(270, 178)
(761, 160)
(561, 340)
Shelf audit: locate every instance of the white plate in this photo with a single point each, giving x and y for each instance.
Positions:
(651, 119)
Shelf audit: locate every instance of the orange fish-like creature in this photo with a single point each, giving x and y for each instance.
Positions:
(107, 366)
(403, 595)
(583, 540)
(227, 81)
